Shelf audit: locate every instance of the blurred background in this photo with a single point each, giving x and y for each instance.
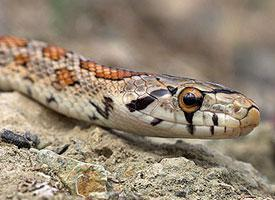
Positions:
(229, 42)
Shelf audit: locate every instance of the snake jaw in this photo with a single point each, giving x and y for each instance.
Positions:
(233, 111)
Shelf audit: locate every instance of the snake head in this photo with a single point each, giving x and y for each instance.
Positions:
(218, 107)
(181, 107)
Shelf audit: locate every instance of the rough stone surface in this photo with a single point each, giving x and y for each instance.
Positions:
(140, 168)
(257, 148)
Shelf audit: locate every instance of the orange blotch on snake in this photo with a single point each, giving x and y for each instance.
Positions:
(65, 77)
(54, 53)
(21, 59)
(89, 65)
(11, 41)
(105, 72)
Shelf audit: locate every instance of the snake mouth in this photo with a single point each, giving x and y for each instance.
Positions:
(208, 130)
(205, 123)
(251, 120)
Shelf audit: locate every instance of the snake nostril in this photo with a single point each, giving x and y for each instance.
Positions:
(240, 103)
(237, 108)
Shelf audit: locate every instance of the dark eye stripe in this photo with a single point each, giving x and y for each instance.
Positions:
(140, 104)
(190, 129)
(189, 117)
(159, 93)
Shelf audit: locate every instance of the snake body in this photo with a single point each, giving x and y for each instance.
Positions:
(136, 102)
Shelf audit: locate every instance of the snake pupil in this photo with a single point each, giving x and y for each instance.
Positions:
(190, 99)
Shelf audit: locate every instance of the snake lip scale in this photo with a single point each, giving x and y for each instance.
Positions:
(141, 103)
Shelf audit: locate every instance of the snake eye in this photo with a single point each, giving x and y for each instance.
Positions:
(190, 99)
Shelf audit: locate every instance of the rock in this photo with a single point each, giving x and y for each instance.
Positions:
(174, 178)
(140, 168)
(82, 179)
(205, 174)
(257, 148)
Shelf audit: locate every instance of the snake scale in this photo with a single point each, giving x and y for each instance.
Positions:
(136, 102)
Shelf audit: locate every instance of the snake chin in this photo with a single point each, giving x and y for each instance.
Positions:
(246, 130)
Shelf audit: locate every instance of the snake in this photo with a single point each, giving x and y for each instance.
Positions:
(141, 103)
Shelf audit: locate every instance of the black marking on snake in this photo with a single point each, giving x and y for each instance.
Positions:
(225, 129)
(24, 64)
(253, 106)
(74, 83)
(215, 119)
(29, 91)
(108, 106)
(212, 130)
(159, 93)
(140, 104)
(156, 121)
(28, 78)
(2, 53)
(190, 129)
(225, 91)
(93, 118)
(172, 90)
(50, 99)
(189, 117)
